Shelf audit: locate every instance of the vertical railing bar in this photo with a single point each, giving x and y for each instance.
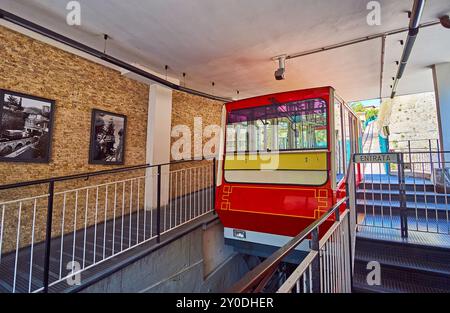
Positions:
(74, 230)
(206, 189)
(207, 180)
(202, 186)
(327, 272)
(62, 236)
(306, 281)
(332, 266)
(176, 200)
(1, 230)
(335, 263)
(131, 213)
(85, 226)
(315, 281)
(211, 188)
(145, 214)
(114, 221)
(138, 204)
(403, 204)
(172, 196)
(190, 193)
(123, 216)
(390, 198)
(320, 256)
(364, 195)
(350, 251)
(48, 234)
(343, 257)
(105, 221)
(445, 197)
(203, 171)
(431, 158)
(340, 272)
(413, 168)
(311, 283)
(95, 226)
(185, 196)
(214, 186)
(373, 195)
(338, 260)
(435, 202)
(32, 246)
(158, 206)
(381, 197)
(147, 209)
(425, 192)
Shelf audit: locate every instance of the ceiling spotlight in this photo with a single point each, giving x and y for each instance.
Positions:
(445, 21)
(279, 73)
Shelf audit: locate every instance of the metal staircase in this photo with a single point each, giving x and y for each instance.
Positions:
(416, 263)
(405, 267)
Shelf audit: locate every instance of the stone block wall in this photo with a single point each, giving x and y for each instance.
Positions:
(410, 117)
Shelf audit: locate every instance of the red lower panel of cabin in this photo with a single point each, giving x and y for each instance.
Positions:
(272, 224)
(279, 210)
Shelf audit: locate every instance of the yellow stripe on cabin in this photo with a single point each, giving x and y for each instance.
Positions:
(314, 161)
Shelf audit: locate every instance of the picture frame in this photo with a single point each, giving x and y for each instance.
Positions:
(107, 138)
(26, 127)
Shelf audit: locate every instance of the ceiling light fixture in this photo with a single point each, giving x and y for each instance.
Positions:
(445, 21)
(279, 73)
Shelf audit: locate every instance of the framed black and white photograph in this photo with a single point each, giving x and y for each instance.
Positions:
(107, 138)
(26, 124)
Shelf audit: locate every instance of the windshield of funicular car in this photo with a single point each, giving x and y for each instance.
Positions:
(296, 125)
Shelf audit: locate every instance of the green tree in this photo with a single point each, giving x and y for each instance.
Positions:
(372, 114)
(358, 107)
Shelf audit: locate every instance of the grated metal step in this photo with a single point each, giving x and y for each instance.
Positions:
(406, 265)
(391, 284)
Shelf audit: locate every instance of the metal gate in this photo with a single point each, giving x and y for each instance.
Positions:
(404, 191)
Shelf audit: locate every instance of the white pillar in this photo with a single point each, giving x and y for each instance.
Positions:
(158, 143)
(441, 76)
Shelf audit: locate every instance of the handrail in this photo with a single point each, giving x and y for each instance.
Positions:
(93, 174)
(255, 276)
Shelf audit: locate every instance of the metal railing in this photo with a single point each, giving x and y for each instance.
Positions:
(327, 267)
(410, 194)
(53, 230)
(419, 155)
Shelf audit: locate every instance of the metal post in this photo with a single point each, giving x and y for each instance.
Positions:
(431, 158)
(158, 207)
(214, 186)
(337, 214)
(439, 155)
(48, 234)
(403, 209)
(350, 248)
(410, 155)
(315, 264)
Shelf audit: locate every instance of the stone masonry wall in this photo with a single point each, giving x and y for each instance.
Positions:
(410, 117)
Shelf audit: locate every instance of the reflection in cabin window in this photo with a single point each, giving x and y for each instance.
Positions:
(296, 125)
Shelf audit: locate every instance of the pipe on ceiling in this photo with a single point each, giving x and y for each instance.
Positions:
(414, 25)
(12, 18)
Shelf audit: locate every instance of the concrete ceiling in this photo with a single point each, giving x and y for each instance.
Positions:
(232, 42)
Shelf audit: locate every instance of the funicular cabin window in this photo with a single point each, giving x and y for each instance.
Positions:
(296, 125)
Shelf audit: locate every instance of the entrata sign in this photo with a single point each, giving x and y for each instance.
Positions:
(376, 158)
